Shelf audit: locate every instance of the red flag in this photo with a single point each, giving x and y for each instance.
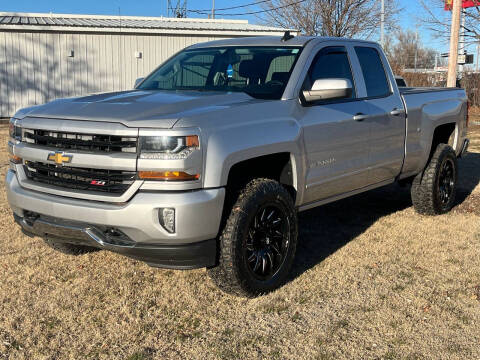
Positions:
(465, 4)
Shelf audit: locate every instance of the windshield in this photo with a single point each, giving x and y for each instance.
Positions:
(261, 72)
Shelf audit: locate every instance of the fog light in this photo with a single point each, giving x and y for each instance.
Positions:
(166, 216)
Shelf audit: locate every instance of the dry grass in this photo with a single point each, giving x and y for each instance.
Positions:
(373, 280)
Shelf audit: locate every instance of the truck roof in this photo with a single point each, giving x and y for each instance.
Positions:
(270, 41)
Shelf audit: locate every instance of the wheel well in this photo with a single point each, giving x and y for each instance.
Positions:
(275, 166)
(442, 135)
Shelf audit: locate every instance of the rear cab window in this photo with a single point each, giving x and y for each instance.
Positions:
(373, 71)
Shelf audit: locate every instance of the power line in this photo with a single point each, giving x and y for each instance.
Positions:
(249, 13)
(232, 7)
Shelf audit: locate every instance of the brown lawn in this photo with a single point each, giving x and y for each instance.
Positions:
(373, 280)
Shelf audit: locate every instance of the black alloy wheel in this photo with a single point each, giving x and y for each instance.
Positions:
(446, 182)
(267, 241)
(258, 241)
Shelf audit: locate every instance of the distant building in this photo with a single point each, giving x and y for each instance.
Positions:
(48, 56)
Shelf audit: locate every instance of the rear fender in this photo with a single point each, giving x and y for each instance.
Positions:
(421, 124)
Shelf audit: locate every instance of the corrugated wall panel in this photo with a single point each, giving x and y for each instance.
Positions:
(35, 67)
(3, 75)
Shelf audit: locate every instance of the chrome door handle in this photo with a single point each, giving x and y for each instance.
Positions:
(396, 112)
(360, 117)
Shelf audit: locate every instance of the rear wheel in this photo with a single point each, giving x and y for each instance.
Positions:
(258, 243)
(69, 249)
(434, 190)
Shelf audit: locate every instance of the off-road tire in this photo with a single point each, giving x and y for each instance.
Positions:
(232, 274)
(426, 196)
(69, 249)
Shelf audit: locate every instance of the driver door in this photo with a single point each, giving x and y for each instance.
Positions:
(335, 135)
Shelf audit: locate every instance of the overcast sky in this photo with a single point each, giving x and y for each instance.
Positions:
(409, 18)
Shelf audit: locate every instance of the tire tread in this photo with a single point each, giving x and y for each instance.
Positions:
(227, 275)
(423, 185)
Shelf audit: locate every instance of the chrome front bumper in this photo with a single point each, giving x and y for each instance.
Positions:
(197, 213)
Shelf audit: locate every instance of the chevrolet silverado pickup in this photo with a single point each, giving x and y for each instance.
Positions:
(207, 162)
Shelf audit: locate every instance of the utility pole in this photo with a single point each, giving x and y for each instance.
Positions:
(461, 45)
(382, 25)
(213, 9)
(453, 58)
(178, 10)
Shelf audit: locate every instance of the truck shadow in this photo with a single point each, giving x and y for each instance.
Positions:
(469, 175)
(326, 229)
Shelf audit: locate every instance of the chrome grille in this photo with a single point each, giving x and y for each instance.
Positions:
(79, 141)
(110, 181)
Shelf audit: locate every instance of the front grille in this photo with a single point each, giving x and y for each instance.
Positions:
(109, 181)
(78, 141)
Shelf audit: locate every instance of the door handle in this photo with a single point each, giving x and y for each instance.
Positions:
(360, 117)
(396, 112)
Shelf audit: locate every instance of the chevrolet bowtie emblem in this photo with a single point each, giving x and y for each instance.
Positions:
(59, 158)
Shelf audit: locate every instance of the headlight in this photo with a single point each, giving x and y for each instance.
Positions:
(14, 131)
(168, 147)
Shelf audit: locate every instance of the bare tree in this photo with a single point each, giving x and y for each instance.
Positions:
(344, 18)
(436, 21)
(406, 51)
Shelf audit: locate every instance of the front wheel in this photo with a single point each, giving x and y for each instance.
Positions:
(258, 242)
(433, 191)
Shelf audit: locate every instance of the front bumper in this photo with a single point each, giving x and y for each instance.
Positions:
(183, 256)
(197, 219)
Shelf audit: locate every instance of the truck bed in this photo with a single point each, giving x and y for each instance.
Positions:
(427, 109)
(418, 90)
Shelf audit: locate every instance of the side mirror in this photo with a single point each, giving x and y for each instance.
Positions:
(137, 82)
(327, 89)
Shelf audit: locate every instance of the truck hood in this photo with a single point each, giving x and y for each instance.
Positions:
(137, 108)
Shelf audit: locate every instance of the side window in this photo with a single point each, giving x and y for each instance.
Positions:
(330, 62)
(373, 71)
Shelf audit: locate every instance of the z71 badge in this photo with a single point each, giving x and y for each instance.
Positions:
(98, 182)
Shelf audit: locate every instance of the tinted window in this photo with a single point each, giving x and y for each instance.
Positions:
(261, 72)
(401, 82)
(373, 71)
(330, 62)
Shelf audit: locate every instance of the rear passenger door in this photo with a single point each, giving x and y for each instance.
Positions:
(386, 116)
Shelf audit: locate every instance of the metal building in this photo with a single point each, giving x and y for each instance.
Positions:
(48, 56)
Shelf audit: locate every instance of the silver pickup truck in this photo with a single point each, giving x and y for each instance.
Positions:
(208, 160)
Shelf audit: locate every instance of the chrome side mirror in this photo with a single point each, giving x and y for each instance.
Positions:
(137, 82)
(327, 89)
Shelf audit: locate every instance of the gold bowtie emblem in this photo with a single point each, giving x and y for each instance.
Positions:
(59, 158)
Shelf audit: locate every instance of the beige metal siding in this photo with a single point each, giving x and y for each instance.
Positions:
(35, 66)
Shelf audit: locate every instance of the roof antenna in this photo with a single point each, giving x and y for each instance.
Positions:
(287, 36)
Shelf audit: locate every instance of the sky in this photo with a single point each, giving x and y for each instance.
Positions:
(409, 18)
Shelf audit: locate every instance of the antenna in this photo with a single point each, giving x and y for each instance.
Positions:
(287, 36)
(177, 8)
